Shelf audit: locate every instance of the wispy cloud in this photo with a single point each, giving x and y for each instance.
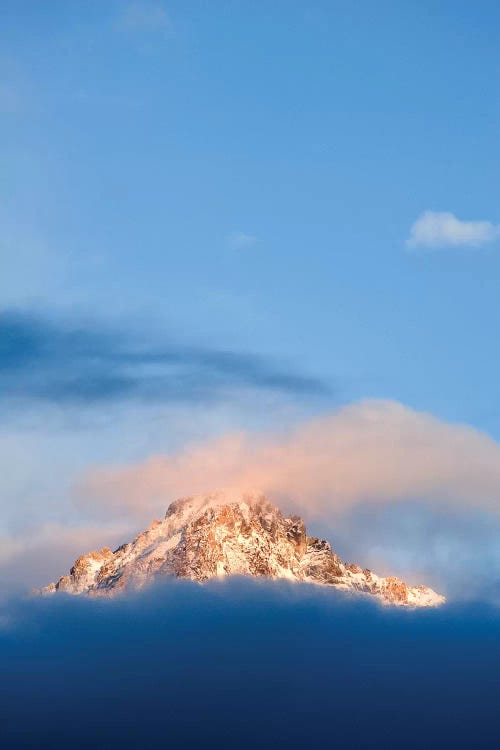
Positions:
(241, 240)
(434, 229)
(144, 17)
(68, 363)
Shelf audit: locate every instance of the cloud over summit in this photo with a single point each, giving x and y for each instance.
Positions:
(376, 452)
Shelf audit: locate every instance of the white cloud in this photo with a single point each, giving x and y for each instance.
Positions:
(443, 229)
(144, 16)
(241, 240)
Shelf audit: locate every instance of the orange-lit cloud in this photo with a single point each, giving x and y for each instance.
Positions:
(371, 452)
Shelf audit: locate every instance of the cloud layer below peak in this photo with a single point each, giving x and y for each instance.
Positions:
(246, 664)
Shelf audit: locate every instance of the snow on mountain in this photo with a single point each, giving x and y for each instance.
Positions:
(230, 533)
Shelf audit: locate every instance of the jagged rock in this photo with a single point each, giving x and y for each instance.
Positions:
(223, 534)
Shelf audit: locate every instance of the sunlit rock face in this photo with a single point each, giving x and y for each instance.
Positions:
(230, 533)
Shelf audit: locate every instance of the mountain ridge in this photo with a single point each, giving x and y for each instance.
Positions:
(230, 533)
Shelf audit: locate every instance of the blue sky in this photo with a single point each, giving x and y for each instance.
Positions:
(132, 153)
(240, 180)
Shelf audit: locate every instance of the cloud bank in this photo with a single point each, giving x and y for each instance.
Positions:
(246, 664)
(435, 229)
(66, 363)
(456, 553)
(373, 452)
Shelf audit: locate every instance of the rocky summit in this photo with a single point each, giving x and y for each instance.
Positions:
(224, 534)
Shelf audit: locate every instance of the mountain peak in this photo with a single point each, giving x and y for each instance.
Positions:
(230, 532)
